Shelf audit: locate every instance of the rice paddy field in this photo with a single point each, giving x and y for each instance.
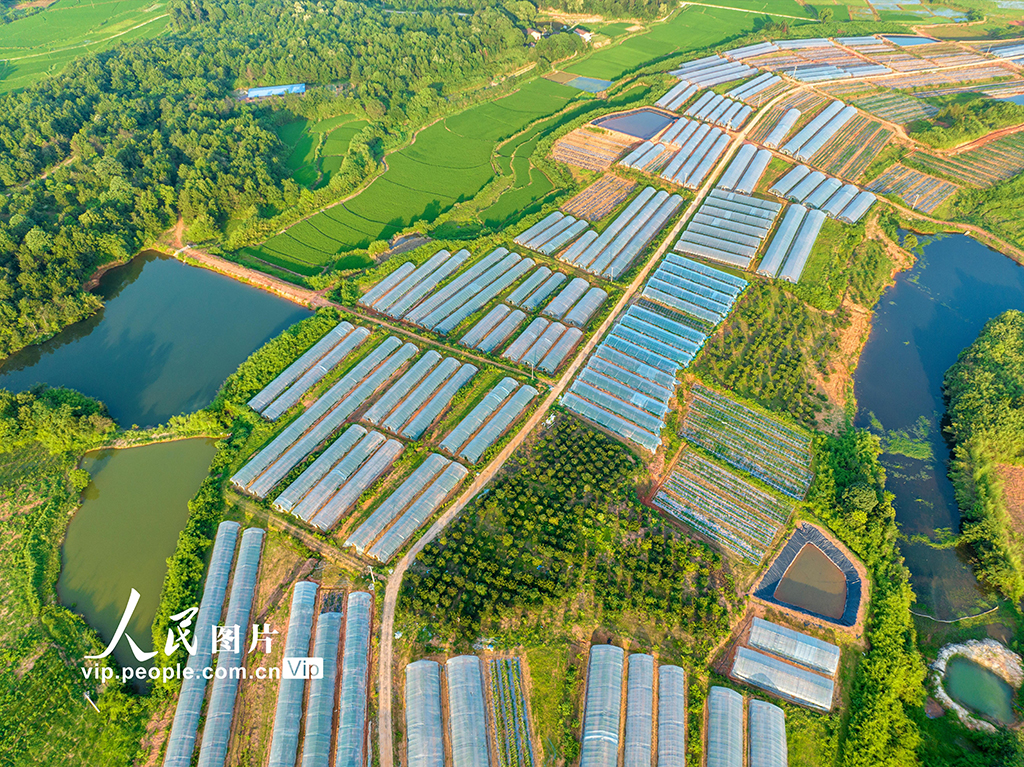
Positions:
(317, 149)
(42, 44)
(448, 162)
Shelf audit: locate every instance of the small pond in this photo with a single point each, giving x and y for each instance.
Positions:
(641, 123)
(814, 583)
(1013, 99)
(908, 40)
(167, 337)
(979, 689)
(126, 528)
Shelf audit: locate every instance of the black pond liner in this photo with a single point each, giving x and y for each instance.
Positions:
(802, 536)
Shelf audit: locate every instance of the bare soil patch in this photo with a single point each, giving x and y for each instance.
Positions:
(1013, 491)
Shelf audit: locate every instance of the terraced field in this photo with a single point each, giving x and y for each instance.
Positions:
(448, 162)
(42, 44)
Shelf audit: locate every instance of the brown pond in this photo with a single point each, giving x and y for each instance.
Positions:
(813, 583)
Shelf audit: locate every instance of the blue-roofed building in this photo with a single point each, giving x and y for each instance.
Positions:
(275, 90)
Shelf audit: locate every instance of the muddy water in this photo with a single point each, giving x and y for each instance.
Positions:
(921, 324)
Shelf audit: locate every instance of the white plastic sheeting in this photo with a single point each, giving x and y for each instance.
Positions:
(182, 740)
(284, 741)
(423, 726)
(787, 681)
(351, 742)
(219, 713)
(795, 646)
(671, 716)
(725, 728)
(601, 719)
(766, 733)
(639, 711)
(467, 721)
(316, 743)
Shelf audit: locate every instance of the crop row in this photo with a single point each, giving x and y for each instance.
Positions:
(985, 166)
(897, 108)
(920, 191)
(508, 706)
(853, 148)
(600, 198)
(585, 149)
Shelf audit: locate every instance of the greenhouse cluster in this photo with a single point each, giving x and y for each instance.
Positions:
(544, 344)
(758, 89)
(343, 477)
(719, 110)
(307, 432)
(407, 285)
(415, 402)
(213, 749)
(765, 734)
(602, 713)
(712, 70)
(813, 136)
(400, 515)
(830, 195)
(729, 227)
(484, 425)
(699, 150)
(720, 504)
(303, 374)
(628, 382)
(552, 233)
(611, 253)
(444, 308)
(534, 290)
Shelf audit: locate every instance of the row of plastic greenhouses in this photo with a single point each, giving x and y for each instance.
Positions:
(747, 439)
(813, 136)
(677, 96)
(712, 70)
(734, 513)
(611, 253)
(394, 522)
(552, 233)
(745, 170)
(765, 733)
(753, 90)
(544, 344)
(729, 228)
(699, 150)
(629, 381)
(306, 433)
(792, 244)
(332, 484)
(650, 156)
(690, 287)
(719, 110)
(350, 738)
(417, 399)
(603, 728)
(303, 374)
(458, 690)
(830, 195)
(484, 425)
(535, 289)
(435, 300)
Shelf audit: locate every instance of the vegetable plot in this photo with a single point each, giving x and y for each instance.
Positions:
(509, 714)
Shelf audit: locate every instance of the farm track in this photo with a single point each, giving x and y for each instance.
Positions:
(384, 676)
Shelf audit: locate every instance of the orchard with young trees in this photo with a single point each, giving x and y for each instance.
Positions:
(564, 521)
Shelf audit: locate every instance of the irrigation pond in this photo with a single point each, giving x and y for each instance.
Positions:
(126, 528)
(934, 311)
(167, 337)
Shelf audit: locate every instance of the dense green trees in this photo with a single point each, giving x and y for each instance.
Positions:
(63, 420)
(96, 162)
(965, 117)
(985, 391)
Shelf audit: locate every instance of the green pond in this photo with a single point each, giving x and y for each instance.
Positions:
(126, 528)
(979, 689)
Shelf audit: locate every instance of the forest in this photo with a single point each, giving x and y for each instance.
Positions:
(985, 406)
(102, 158)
